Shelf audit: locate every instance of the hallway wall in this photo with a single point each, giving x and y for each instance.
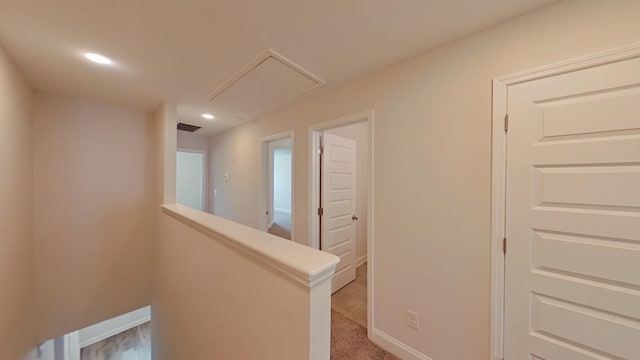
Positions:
(94, 197)
(432, 167)
(236, 152)
(16, 214)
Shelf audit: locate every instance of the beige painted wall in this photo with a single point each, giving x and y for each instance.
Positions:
(359, 133)
(93, 168)
(16, 213)
(213, 301)
(165, 140)
(165, 144)
(432, 165)
(236, 152)
(192, 141)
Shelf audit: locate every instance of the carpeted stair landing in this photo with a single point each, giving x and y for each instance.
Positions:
(349, 341)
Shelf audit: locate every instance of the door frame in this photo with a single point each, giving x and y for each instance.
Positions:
(205, 170)
(264, 174)
(314, 188)
(498, 170)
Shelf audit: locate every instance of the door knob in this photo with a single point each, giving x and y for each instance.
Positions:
(354, 217)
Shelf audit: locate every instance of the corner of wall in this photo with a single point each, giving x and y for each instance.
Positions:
(165, 121)
(17, 328)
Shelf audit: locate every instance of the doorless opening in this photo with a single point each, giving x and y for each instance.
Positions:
(191, 178)
(276, 185)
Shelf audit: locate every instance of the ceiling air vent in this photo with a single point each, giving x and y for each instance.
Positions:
(268, 81)
(188, 127)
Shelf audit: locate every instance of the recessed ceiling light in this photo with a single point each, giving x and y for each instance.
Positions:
(99, 59)
(208, 116)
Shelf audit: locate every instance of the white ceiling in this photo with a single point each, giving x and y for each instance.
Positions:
(181, 50)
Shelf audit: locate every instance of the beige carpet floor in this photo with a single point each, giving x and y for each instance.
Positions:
(349, 341)
(351, 300)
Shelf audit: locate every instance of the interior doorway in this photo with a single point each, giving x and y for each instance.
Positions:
(341, 203)
(276, 210)
(191, 177)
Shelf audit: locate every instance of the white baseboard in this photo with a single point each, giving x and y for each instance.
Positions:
(361, 260)
(284, 211)
(396, 347)
(98, 332)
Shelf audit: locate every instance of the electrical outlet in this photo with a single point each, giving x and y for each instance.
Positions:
(215, 192)
(413, 320)
(226, 177)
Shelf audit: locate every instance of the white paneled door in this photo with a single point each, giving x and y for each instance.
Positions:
(572, 281)
(339, 205)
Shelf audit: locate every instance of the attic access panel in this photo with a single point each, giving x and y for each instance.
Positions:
(188, 127)
(270, 80)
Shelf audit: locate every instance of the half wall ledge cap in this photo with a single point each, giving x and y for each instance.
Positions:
(301, 263)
